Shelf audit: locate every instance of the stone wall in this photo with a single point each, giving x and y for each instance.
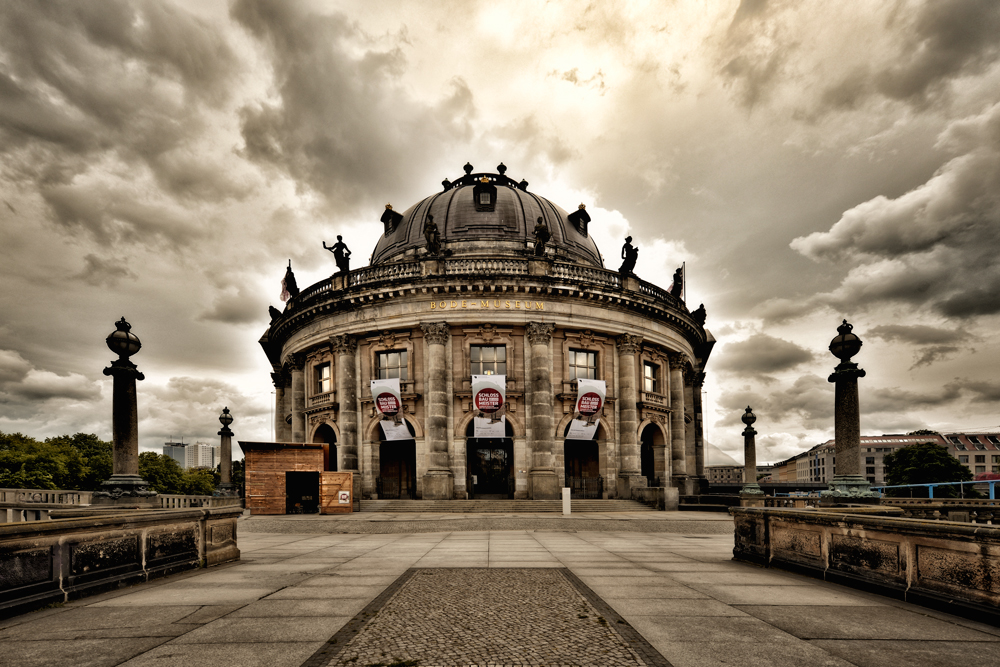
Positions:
(55, 561)
(940, 564)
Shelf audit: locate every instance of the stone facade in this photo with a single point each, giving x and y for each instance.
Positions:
(421, 317)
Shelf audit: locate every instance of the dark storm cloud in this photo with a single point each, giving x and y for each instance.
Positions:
(84, 84)
(755, 52)
(342, 124)
(761, 355)
(933, 247)
(941, 41)
(895, 399)
(918, 334)
(807, 401)
(105, 271)
(979, 391)
(22, 385)
(241, 305)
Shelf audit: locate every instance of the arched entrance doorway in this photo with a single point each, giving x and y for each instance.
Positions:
(489, 465)
(326, 435)
(651, 447)
(582, 467)
(397, 468)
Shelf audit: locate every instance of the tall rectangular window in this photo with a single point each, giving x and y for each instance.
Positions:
(649, 381)
(582, 364)
(323, 380)
(980, 458)
(392, 364)
(488, 360)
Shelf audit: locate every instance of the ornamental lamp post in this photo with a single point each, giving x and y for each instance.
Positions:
(750, 494)
(125, 486)
(848, 484)
(226, 453)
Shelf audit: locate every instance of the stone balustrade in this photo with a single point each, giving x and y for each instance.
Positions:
(939, 564)
(175, 501)
(48, 496)
(44, 562)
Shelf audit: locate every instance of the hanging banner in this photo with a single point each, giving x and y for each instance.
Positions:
(489, 395)
(388, 405)
(589, 403)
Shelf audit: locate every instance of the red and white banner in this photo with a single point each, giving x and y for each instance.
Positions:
(388, 404)
(489, 396)
(589, 403)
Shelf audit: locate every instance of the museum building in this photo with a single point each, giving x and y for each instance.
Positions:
(485, 277)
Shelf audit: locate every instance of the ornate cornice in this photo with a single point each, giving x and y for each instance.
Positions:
(436, 333)
(539, 333)
(628, 343)
(344, 344)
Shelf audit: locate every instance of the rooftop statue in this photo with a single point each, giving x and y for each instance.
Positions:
(678, 285)
(432, 235)
(542, 237)
(699, 315)
(341, 254)
(289, 288)
(630, 254)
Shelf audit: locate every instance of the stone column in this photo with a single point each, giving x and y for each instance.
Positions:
(345, 347)
(629, 468)
(282, 430)
(225, 451)
(678, 435)
(750, 494)
(543, 481)
(296, 363)
(848, 484)
(699, 427)
(439, 482)
(125, 486)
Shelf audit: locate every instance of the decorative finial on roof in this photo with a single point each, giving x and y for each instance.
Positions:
(484, 179)
(501, 168)
(467, 168)
(581, 207)
(388, 207)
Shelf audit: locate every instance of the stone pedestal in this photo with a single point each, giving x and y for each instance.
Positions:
(543, 484)
(125, 487)
(438, 486)
(539, 267)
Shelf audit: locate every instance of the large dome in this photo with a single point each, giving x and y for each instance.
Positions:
(479, 214)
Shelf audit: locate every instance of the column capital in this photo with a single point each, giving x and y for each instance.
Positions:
(679, 362)
(124, 369)
(344, 343)
(698, 379)
(296, 361)
(628, 343)
(846, 371)
(539, 333)
(436, 333)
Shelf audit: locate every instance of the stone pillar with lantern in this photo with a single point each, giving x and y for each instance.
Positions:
(848, 484)
(125, 487)
(226, 486)
(750, 494)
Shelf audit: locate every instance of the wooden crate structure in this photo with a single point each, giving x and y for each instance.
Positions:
(267, 464)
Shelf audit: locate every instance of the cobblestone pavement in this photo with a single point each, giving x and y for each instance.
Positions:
(479, 616)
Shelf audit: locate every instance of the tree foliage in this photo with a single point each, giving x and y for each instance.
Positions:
(83, 461)
(925, 463)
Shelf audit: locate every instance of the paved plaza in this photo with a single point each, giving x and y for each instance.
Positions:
(564, 591)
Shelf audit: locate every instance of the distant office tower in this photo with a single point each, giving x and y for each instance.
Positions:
(176, 451)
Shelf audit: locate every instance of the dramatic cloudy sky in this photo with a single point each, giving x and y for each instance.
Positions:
(809, 160)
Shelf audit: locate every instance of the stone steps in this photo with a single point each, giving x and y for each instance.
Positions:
(501, 506)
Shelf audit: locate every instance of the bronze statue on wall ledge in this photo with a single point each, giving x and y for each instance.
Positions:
(630, 254)
(699, 315)
(542, 237)
(341, 254)
(432, 235)
(677, 286)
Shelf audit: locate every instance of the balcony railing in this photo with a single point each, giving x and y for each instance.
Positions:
(486, 267)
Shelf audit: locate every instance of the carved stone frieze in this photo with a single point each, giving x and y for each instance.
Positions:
(628, 343)
(344, 344)
(436, 333)
(539, 333)
(487, 332)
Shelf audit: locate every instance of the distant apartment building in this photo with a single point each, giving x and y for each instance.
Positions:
(196, 455)
(980, 452)
(724, 474)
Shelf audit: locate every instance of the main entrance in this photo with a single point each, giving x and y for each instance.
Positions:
(397, 469)
(490, 466)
